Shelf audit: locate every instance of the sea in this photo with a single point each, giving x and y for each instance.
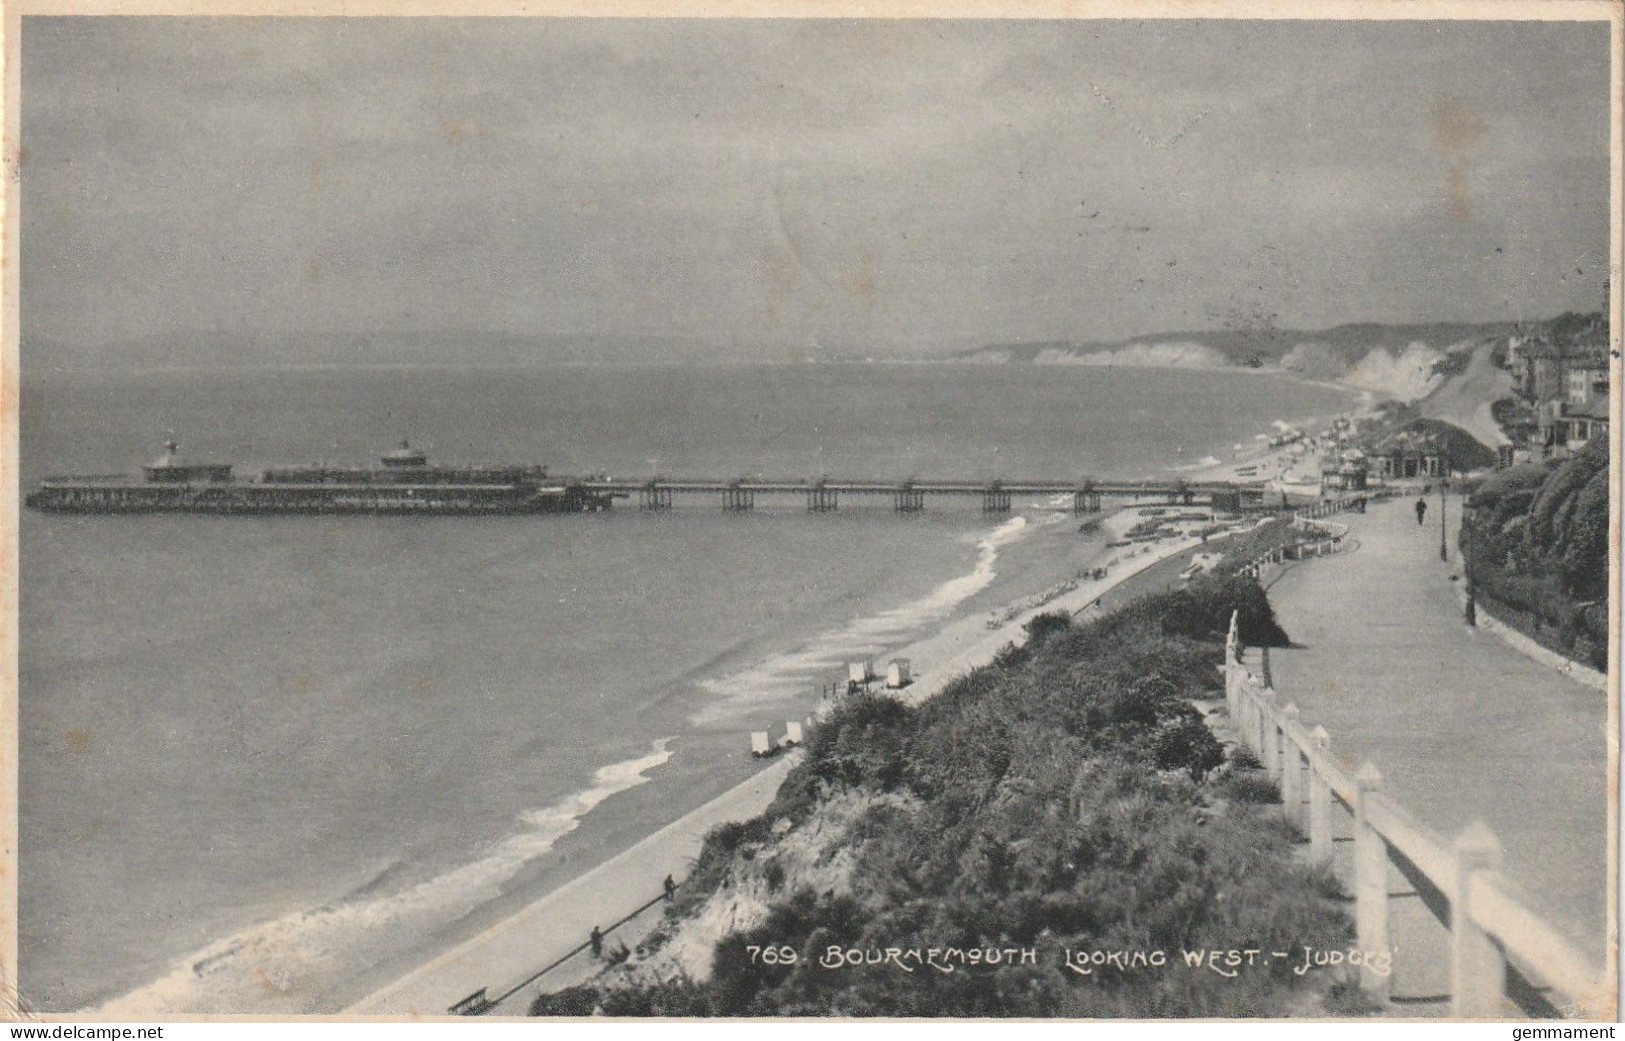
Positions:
(270, 763)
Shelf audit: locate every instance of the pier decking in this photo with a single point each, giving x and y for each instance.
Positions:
(824, 496)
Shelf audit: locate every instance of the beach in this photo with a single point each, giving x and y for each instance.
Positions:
(455, 719)
(502, 959)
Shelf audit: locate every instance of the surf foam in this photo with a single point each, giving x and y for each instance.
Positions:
(289, 961)
(792, 672)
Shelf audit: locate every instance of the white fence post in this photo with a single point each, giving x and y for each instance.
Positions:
(1232, 701)
(1291, 770)
(1261, 725)
(1370, 881)
(1271, 739)
(1320, 801)
(1478, 969)
(1246, 729)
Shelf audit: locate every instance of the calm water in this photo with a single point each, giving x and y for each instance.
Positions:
(321, 742)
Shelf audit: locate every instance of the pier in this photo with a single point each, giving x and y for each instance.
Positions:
(405, 484)
(825, 495)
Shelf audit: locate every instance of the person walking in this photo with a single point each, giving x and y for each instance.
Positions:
(1421, 510)
(670, 887)
(597, 941)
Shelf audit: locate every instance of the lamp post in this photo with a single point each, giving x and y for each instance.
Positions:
(1444, 482)
(1469, 549)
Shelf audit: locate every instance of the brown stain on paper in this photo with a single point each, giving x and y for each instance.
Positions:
(1456, 130)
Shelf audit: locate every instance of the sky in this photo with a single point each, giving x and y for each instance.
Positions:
(209, 190)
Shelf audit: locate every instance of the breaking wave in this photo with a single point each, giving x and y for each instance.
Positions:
(794, 671)
(299, 953)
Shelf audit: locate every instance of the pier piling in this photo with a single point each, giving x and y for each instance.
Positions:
(1085, 500)
(821, 499)
(653, 496)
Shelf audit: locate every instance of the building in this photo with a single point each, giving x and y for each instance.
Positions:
(1346, 472)
(1563, 376)
(1585, 425)
(1584, 412)
(1408, 455)
(1588, 382)
(171, 469)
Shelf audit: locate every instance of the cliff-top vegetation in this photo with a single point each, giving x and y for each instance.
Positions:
(1066, 799)
(1537, 541)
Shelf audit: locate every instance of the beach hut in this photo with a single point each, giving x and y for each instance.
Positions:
(760, 745)
(898, 673)
(792, 735)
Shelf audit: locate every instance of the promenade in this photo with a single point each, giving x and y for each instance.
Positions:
(1462, 726)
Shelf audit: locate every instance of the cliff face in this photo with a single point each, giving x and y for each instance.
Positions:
(959, 856)
(816, 854)
(1403, 362)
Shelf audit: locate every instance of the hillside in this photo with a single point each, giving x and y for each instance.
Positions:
(1537, 539)
(1066, 799)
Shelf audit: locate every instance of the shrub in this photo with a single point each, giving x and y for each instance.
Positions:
(1190, 746)
(1242, 758)
(1052, 799)
(1537, 542)
(1042, 625)
(1251, 788)
(729, 837)
(1202, 611)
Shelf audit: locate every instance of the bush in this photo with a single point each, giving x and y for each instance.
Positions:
(1202, 611)
(1251, 788)
(1242, 758)
(1537, 542)
(1042, 625)
(1190, 746)
(1052, 799)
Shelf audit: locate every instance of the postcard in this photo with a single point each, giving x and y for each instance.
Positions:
(1030, 511)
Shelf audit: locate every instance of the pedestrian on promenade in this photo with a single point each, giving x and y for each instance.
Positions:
(597, 941)
(670, 888)
(1421, 510)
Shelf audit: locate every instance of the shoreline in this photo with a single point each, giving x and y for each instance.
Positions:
(603, 894)
(717, 764)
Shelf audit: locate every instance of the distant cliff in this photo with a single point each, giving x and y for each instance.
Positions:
(1406, 362)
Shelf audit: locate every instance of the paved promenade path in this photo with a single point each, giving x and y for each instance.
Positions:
(1462, 726)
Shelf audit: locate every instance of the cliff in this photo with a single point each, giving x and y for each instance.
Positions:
(1028, 843)
(1405, 362)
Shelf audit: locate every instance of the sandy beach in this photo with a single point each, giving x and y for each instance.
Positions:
(353, 949)
(611, 860)
(509, 950)
(502, 958)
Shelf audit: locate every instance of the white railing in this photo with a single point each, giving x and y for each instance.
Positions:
(1334, 536)
(1327, 507)
(1499, 949)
